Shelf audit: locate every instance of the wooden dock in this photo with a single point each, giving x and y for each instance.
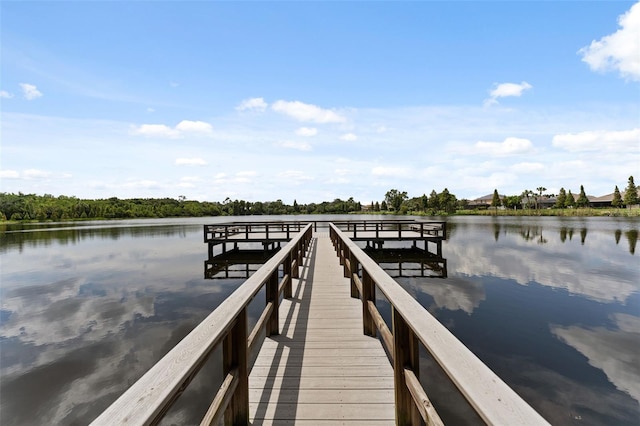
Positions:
(321, 369)
(320, 362)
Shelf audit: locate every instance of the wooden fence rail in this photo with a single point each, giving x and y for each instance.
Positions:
(492, 399)
(147, 400)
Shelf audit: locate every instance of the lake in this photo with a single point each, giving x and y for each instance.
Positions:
(552, 305)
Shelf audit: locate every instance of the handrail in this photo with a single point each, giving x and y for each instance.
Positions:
(147, 400)
(492, 399)
(224, 230)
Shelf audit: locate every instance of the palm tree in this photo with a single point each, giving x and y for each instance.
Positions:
(540, 190)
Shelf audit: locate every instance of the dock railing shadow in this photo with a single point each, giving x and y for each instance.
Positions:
(294, 330)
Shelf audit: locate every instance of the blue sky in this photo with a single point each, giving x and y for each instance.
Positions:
(318, 100)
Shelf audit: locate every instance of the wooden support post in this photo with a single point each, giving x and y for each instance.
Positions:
(295, 271)
(300, 252)
(368, 294)
(235, 356)
(273, 325)
(353, 262)
(405, 348)
(347, 262)
(287, 272)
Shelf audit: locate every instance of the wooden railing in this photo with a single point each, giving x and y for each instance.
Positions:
(492, 399)
(152, 395)
(248, 230)
(400, 228)
(394, 229)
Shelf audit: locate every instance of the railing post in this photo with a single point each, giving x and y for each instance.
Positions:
(368, 294)
(287, 271)
(235, 356)
(301, 250)
(346, 269)
(273, 325)
(405, 348)
(353, 262)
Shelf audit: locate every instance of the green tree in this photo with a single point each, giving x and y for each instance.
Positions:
(561, 200)
(447, 201)
(395, 198)
(383, 206)
(571, 200)
(582, 200)
(631, 193)
(495, 201)
(512, 202)
(526, 194)
(434, 203)
(617, 198)
(424, 202)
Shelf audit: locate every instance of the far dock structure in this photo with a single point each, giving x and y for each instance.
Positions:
(321, 352)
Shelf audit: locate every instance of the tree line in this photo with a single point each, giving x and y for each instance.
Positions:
(566, 199)
(48, 207)
(21, 206)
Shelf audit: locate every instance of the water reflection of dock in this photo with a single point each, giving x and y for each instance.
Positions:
(236, 263)
(409, 262)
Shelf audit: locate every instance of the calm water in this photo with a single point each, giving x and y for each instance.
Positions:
(551, 304)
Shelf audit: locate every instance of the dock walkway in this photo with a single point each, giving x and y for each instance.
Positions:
(321, 369)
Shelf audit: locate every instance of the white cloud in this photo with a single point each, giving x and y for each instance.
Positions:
(151, 109)
(350, 137)
(253, 104)
(505, 90)
(527, 167)
(620, 50)
(307, 112)
(30, 91)
(5, 95)
(144, 183)
(342, 172)
(35, 174)
(295, 177)
(510, 146)
(391, 171)
(189, 181)
(190, 162)
(9, 174)
(301, 146)
(164, 131)
(155, 130)
(29, 174)
(247, 173)
(619, 141)
(615, 352)
(307, 131)
(194, 126)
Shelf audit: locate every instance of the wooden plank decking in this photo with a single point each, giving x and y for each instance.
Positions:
(321, 369)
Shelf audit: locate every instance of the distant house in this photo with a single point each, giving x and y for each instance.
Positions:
(544, 202)
(602, 201)
(483, 202)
